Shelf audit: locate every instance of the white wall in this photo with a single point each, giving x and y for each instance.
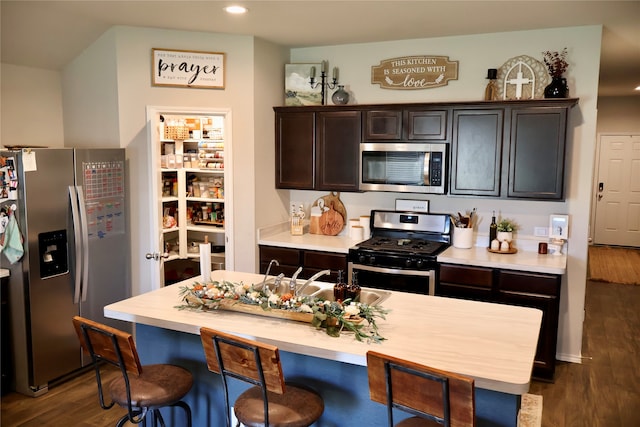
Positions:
(619, 114)
(129, 49)
(271, 205)
(31, 107)
(475, 55)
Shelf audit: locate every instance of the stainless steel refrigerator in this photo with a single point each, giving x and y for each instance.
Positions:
(70, 209)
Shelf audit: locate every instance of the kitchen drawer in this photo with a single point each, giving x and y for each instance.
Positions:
(324, 260)
(476, 277)
(542, 284)
(282, 255)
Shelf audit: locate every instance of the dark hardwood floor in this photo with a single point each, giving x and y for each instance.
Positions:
(72, 403)
(603, 391)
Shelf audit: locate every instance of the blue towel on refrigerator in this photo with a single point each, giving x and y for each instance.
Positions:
(11, 241)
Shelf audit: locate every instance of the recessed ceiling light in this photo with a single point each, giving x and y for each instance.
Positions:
(638, 88)
(236, 10)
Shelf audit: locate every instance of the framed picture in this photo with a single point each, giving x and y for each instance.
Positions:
(559, 226)
(297, 90)
(184, 68)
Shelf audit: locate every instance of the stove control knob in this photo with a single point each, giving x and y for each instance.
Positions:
(419, 263)
(361, 259)
(408, 262)
(372, 260)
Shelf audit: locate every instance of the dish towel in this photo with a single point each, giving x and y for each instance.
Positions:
(11, 241)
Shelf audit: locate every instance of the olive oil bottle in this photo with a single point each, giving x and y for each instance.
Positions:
(340, 288)
(493, 229)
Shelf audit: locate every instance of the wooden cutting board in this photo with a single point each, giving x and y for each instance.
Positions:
(332, 219)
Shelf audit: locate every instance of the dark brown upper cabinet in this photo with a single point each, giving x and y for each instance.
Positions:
(317, 150)
(395, 123)
(514, 150)
(503, 149)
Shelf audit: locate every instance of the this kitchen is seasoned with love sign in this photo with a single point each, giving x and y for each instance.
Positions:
(414, 72)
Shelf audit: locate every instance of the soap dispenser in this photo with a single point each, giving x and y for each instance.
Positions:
(340, 288)
(353, 289)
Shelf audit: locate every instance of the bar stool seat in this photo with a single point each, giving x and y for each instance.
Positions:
(271, 401)
(297, 407)
(157, 386)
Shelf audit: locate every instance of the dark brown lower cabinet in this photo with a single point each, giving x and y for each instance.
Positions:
(312, 262)
(526, 289)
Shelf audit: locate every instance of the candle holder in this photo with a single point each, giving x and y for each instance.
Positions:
(323, 82)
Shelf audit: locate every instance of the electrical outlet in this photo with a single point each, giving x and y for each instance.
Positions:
(540, 231)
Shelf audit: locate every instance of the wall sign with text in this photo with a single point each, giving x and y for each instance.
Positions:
(184, 68)
(414, 72)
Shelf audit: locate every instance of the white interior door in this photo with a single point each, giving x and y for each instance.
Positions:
(617, 213)
(154, 252)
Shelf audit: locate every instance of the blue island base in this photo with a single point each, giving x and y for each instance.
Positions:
(344, 387)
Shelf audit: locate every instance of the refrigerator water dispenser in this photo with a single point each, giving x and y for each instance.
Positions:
(52, 247)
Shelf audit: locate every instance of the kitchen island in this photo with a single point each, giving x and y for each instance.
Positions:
(494, 344)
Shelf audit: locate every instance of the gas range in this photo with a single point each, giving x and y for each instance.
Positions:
(402, 251)
(403, 240)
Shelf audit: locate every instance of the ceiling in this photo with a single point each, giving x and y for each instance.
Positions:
(49, 34)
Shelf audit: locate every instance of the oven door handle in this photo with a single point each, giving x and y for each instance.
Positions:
(425, 273)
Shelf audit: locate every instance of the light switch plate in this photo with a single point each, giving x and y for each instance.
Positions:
(541, 231)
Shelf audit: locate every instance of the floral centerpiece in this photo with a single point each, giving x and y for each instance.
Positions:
(333, 316)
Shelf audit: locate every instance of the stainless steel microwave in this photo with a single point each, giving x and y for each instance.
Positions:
(403, 167)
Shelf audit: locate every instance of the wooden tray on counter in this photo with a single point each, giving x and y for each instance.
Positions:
(232, 305)
(510, 251)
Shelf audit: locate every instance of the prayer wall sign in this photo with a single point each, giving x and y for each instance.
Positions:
(414, 72)
(193, 69)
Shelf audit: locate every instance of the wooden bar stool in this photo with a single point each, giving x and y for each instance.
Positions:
(269, 402)
(435, 397)
(141, 389)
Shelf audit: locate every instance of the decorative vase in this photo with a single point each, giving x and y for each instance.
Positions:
(504, 236)
(557, 88)
(341, 96)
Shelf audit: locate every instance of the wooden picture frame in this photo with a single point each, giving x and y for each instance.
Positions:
(297, 90)
(187, 68)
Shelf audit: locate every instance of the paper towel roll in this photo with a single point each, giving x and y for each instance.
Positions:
(205, 261)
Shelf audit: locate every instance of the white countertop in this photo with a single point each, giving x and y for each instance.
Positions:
(521, 260)
(279, 235)
(526, 259)
(493, 343)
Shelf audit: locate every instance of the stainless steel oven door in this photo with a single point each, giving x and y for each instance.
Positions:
(393, 279)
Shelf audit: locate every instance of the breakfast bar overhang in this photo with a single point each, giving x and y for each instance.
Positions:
(493, 343)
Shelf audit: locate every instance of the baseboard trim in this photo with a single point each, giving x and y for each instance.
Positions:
(573, 358)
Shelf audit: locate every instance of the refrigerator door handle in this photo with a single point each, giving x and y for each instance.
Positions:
(73, 199)
(85, 242)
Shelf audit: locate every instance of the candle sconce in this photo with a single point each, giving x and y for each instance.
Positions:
(323, 82)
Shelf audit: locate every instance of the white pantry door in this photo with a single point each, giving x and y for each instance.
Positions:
(617, 215)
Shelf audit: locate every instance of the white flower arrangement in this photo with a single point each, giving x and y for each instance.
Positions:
(333, 316)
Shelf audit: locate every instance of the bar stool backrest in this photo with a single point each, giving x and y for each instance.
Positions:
(251, 361)
(441, 396)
